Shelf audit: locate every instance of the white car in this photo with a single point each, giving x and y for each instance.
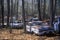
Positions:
(43, 29)
(39, 28)
(16, 24)
(31, 26)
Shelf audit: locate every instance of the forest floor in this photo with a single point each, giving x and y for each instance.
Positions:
(17, 34)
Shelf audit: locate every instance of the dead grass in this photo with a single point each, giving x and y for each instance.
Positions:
(19, 35)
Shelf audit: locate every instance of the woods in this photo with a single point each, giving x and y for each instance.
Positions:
(30, 18)
(43, 9)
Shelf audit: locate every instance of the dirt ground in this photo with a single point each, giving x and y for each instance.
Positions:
(19, 35)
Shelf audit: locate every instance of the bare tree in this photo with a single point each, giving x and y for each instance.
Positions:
(17, 8)
(11, 15)
(27, 11)
(39, 9)
(32, 7)
(52, 11)
(11, 10)
(2, 8)
(8, 15)
(8, 7)
(23, 15)
(44, 7)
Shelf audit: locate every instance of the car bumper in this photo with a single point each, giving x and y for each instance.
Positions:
(16, 26)
(36, 31)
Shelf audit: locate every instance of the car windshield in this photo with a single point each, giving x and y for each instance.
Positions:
(37, 23)
(16, 22)
(36, 19)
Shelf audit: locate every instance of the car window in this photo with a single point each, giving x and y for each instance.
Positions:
(59, 18)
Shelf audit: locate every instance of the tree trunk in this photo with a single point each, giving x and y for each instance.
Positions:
(11, 15)
(27, 11)
(39, 9)
(52, 11)
(32, 9)
(11, 10)
(2, 8)
(23, 15)
(17, 9)
(44, 7)
(8, 15)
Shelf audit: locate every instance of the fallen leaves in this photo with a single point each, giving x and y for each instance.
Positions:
(19, 35)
